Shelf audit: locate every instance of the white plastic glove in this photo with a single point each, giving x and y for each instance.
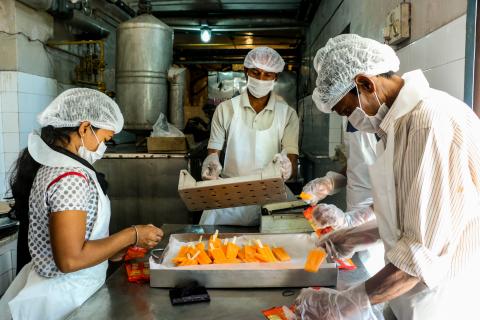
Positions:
(344, 243)
(285, 165)
(330, 304)
(328, 215)
(211, 167)
(321, 187)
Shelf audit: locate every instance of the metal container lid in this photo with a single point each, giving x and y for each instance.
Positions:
(145, 21)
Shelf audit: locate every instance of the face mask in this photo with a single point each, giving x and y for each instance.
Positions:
(92, 156)
(259, 88)
(363, 122)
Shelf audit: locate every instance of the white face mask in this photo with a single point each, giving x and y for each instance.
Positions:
(363, 122)
(92, 156)
(259, 88)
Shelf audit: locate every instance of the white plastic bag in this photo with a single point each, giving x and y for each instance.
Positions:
(162, 128)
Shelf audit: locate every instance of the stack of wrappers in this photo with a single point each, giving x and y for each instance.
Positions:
(137, 271)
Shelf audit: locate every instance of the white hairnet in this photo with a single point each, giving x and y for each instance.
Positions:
(264, 58)
(77, 105)
(341, 60)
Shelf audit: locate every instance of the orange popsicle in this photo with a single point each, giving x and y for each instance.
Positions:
(314, 260)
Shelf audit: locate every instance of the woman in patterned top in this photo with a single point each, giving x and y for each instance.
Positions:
(68, 211)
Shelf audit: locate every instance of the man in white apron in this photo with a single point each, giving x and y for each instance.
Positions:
(254, 127)
(425, 184)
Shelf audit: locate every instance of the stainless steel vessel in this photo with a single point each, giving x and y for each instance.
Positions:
(177, 77)
(144, 55)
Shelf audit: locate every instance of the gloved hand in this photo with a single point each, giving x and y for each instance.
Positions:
(285, 164)
(328, 215)
(211, 167)
(325, 303)
(344, 243)
(319, 188)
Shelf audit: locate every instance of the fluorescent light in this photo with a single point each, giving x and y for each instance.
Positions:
(205, 34)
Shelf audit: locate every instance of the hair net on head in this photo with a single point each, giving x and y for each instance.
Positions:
(264, 58)
(77, 105)
(341, 60)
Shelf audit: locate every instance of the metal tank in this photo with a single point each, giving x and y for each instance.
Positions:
(144, 55)
(177, 77)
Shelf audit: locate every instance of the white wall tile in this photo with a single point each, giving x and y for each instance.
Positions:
(29, 83)
(331, 149)
(3, 185)
(33, 103)
(1, 146)
(335, 121)
(2, 163)
(8, 81)
(10, 158)
(449, 77)
(28, 122)
(335, 135)
(10, 122)
(23, 140)
(11, 142)
(444, 45)
(9, 101)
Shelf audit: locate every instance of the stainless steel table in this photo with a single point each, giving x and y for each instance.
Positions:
(119, 299)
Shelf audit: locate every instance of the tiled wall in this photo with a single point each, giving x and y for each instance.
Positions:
(335, 133)
(22, 97)
(441, 55)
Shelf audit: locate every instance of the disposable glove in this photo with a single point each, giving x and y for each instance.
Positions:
(321, 187)
(211, 167)
(284, 164)
(330, 304)
(328, 215)
(344, 243)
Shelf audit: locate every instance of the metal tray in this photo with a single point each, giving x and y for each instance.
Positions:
(168, 278)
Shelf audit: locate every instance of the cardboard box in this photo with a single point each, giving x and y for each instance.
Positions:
(166, 144)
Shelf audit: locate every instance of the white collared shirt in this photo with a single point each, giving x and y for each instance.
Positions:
(260, 121)
(437, 181)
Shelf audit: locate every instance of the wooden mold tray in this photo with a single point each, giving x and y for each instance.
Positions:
(231, 192)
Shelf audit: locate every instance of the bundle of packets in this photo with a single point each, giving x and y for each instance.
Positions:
(137, 271)
(317, 256)
(280, 313)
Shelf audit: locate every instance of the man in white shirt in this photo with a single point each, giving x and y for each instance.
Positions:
(425, 185)
(256, 128)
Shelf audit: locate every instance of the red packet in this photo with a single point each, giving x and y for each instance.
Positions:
(138, 272)
(346, 264)
(280, 313)
(135, 253)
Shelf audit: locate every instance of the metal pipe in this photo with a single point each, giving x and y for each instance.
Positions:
(86, 23)
(246, 28)
(123, 6)
(38, 4)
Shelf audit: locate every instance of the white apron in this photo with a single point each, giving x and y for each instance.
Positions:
(361, 148)
(420, 303)
(248, 152)
(32, 296)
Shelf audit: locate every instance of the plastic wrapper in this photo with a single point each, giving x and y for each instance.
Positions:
(162, 128)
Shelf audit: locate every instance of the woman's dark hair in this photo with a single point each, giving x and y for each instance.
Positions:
(21, 181)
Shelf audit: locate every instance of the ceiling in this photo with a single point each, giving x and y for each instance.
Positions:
(237, 26)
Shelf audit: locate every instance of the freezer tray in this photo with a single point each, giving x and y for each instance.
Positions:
(244, 275)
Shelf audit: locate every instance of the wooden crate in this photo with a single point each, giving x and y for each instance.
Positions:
(166, 144)
(231, 192)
